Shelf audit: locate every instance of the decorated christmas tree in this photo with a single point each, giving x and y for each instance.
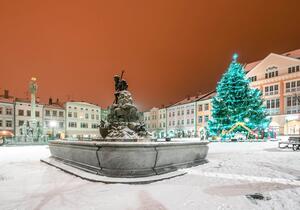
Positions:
(236, 103)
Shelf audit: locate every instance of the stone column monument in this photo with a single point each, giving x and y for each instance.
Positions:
(31, 131)
(33, 89)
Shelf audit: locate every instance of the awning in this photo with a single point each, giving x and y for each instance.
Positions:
(6, 134)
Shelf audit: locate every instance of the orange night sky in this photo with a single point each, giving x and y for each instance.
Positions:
(168, 48)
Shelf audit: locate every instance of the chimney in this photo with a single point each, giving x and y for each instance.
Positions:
(50, 101)
(6, 94)
(57, 101)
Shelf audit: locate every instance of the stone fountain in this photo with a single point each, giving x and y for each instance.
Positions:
(125, 149)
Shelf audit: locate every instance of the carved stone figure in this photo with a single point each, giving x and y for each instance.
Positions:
(123, 119)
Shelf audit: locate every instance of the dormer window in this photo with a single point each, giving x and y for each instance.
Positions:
(293, 69)
(253, 79)
(271, 72)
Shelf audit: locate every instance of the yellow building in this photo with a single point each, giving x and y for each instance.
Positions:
(204, 108)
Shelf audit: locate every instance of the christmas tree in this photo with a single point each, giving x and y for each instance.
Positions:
(235, 102)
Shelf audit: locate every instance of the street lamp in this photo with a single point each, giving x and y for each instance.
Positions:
(53, 125)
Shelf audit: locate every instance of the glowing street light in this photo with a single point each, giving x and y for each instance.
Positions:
(53, 124)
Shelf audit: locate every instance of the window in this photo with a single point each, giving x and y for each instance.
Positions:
(92, 116)
(182, 112)
(273, 106)
(94, 126)
(293, 69)
(54, 113)
(21, 123)
(253, 79)
(271, 90)
(164, 124)
(173, 123)
(169, 114)
(200, 108)
(192, 111)
(86, 116)
(69, 114)
(75, 114)
(173, 114)
(61, 114)
(188, 121)
(1, 123)
(169, 123)
(271, 74)
(182, 122)
(84, 125)
(206, 107)
(199, 119)
(37, 114)
(292, 86)
(8, 111)
(28, 113)
(192, 121)
(8, 123)
(1, 110)
(21, 112)
(164, 116)
(178, 113)
(178, 122)
(47, 113)
(61, 124)
(188, 111)
(206, 118)
(72, 125)
(97, 117)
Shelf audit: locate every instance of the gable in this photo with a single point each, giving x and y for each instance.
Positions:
(273, 62)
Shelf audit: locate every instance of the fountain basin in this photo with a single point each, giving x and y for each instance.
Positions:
(129, 159)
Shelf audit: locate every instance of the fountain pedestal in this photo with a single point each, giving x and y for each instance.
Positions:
(129, 159)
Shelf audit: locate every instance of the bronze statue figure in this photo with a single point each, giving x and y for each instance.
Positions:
(123, 119)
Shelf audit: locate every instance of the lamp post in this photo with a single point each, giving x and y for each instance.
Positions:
(53, 125)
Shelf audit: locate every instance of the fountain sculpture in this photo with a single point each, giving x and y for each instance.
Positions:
(126, 149)
(123, 119)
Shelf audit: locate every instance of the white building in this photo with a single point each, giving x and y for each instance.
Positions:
(6, 113)
(151, 121)
(23, 113)
(82, 120)
(162, 123)
(54, 119)
(181, 118)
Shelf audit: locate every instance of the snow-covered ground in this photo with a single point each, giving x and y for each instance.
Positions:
(234, 171)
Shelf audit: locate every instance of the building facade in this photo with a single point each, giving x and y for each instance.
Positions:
(7, 121)
(54, 119)
(82, 120)
(278, 78)
(181, 118)
(204, 107)
(23, 114)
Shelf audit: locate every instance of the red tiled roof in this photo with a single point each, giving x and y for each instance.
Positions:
(195, 98)
(293, 54)
(6, 100)
(54, 106)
